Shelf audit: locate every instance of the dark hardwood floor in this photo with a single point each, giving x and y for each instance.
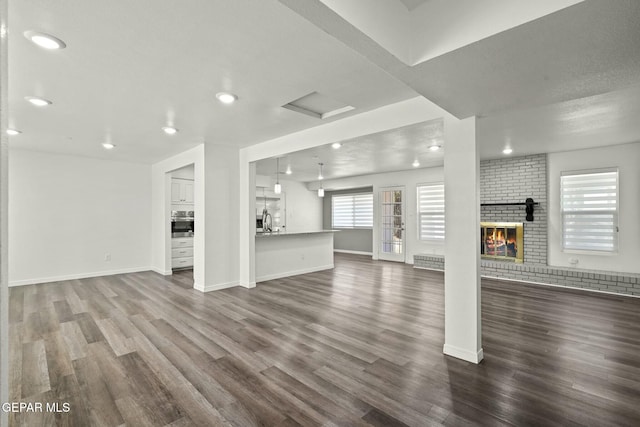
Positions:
(359, 345)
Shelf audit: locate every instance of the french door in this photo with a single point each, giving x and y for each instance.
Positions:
(392, 242)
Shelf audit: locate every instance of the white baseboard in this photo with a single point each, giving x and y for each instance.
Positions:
(250, 285)
(528, 282)
(163, 272)
(214, 287)
(427, 268)
(459, 353)
(344, 251)
(35, 281)
(293, 273)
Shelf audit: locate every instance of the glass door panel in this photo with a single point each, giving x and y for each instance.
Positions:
(392, 245)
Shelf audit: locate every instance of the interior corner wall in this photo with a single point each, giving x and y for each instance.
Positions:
(73, 217)
(222, 216)
(625, 158)
(356, 240)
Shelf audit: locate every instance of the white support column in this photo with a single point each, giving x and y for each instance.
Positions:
(4, 210)
(462, 318)
(247, 221)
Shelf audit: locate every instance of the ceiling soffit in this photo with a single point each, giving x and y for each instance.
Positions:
(416, 31)
(583, 50)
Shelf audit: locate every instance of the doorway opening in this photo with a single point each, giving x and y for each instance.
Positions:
(182, 224)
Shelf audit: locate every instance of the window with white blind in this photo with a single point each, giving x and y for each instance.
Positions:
(590, 210)
(431, 212)
(352, 210)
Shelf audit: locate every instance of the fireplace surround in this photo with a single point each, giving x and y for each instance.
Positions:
(503, 241)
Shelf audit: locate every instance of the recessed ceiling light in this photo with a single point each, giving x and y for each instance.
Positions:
(434, 148)
(13, 132)
(46, 41)
(108, 145)
(507, 151)
(336, 145)
(40, 102)
(415, 163)
(226, 98)
(170, 130)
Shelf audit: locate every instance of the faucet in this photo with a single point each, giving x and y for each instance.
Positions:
(266, 221)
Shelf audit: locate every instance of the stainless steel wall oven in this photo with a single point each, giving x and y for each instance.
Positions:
(182, 223)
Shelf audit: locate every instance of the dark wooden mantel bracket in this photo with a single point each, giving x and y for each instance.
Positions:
(529, 204)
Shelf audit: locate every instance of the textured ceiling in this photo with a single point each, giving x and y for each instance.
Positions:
(129, 70)
(568, 80)
(381, 152)
(583, 50)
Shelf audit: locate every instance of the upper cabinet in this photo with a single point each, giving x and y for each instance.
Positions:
(181, 191)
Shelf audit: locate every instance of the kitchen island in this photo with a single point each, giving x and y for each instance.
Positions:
(284, 254)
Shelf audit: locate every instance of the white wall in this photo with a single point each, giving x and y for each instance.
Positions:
(222, 216)
(66, 213)
(626, 158)
(186, 172)
(408, 179)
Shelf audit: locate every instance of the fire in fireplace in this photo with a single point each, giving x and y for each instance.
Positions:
(502, 241)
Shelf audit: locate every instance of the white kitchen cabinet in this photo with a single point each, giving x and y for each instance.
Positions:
(182, 242)
(181, 252)
(181, 191)
(181, 262)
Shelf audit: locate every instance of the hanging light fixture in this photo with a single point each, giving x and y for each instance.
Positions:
(320, 190)
(277, 188)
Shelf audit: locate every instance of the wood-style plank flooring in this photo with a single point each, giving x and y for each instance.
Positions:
(358, 345)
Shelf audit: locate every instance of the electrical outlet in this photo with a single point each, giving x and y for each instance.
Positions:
(107, 257)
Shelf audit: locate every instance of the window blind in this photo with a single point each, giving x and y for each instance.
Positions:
(431, 212)
(352, 211)
(590, 210)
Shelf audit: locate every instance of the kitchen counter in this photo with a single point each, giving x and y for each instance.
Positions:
(292, 233)
(287, 254)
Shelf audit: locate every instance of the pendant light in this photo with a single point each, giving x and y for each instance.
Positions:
(277, 188)
(320, 190)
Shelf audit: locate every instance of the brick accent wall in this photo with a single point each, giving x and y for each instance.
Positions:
(512, 180)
